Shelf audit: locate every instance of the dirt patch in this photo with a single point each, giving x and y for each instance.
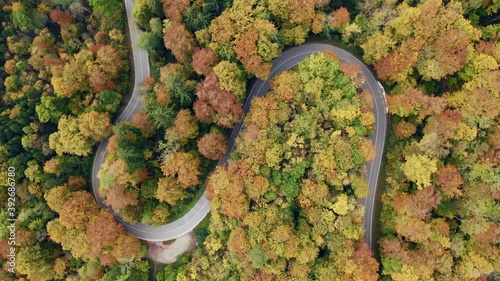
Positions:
(168, 251)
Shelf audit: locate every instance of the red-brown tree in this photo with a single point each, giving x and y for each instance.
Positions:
(174, 9)
(64, 19)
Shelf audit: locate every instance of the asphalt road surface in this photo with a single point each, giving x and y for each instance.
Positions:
(287, 60)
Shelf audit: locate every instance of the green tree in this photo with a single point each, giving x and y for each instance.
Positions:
(128, 272)
(64, 3)
(107, 101)
(106, 8)
(27, 19)
(162, 116)
(181, 89)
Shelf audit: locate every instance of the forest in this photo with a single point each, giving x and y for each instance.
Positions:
(287, 204)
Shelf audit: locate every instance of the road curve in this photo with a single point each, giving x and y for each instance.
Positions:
(141, 71)
(287, 60)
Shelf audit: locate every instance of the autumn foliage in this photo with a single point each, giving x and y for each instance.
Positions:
(212, 145)
(179, 40)
(66, 70)
(284, 161)
(228, 187)
(174, 9)
(170, 190)
(203, 60)
(436, 166)
(119, 196)
(287, 204)
(247, 53)
(185, 125)
(184, 166)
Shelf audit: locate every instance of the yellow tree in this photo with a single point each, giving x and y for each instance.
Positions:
(367, 149)
(170, 190)
(432, 37)
(419, 169)
(286, 85)
(212, 145)
(228, 187)
(294, 11)
(342, 206)
(377, 46)
(314, 191)
(73, 77)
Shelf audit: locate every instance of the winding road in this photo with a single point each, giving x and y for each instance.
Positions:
(287, 60)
